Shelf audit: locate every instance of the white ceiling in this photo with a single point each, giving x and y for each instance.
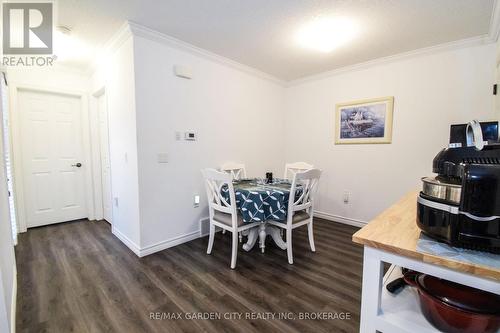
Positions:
(260, 33)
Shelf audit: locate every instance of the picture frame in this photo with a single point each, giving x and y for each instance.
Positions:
(364, 121)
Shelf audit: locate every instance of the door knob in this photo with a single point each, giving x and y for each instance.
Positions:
(78, 165)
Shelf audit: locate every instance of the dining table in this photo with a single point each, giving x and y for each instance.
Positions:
(258, 200)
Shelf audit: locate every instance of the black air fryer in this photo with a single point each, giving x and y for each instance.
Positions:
(461, 205)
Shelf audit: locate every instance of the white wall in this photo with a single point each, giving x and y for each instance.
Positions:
(117, 76)
(430, 93)
(47, 78)
(7, 258)
(237, 116)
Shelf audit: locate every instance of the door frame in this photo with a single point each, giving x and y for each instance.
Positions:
(98, 193)
(17, 169)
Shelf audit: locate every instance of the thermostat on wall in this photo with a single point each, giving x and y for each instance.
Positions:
(190, 136)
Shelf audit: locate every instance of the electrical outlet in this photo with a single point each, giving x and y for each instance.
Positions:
(196, 201)
(116, 202)
(346, 197)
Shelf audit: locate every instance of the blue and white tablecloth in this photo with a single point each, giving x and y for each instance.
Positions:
(258, 202)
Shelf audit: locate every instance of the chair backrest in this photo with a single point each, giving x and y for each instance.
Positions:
(307, 182)
(293, 168)
(236, 170)
(215, 183)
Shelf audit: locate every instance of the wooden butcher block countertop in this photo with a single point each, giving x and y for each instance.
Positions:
(396, 231)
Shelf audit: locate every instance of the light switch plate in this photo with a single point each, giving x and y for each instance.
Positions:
(162, 158)
(347, 197)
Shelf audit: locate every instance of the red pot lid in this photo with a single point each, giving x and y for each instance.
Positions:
(458, 295)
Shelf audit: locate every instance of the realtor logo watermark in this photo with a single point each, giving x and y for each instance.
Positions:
(27, 30)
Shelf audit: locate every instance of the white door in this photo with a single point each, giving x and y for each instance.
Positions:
(105, 164)
(52, 158)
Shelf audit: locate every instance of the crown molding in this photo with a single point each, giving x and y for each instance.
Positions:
(113, 44)
(494, 31)
(130, 28)
(459, 44)
(153, 35)
(120, 37)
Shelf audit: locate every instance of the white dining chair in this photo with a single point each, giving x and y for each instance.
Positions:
(300, 210)
(223, 213)
(292, 168)
(237, 170)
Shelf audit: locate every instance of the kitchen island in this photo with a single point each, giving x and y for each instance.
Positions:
(392, 238)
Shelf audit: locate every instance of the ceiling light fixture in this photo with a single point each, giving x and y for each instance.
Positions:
(326, 34)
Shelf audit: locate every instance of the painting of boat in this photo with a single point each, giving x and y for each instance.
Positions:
(363, 122)
(359, 121)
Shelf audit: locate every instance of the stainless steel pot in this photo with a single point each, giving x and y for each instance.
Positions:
(441, 190)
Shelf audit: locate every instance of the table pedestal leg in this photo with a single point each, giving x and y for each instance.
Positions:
(252, 239)
(262, 231)
(275, 233)
(262, 237)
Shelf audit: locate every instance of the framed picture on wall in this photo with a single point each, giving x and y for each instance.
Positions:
(364, 121)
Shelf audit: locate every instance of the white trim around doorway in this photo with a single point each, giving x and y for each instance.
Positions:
(96, 153)
(14, 89)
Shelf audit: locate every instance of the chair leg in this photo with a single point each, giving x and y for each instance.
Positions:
(223, 231)
(234, 252)
(311, 236)
(289, 246)
(211, 238)
(241, 237)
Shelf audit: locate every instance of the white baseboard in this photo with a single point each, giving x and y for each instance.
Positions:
(168, 243)
(14, 301)
(125, 240)
(147, 250)
(340, 219)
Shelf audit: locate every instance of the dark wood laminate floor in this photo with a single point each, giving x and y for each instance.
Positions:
(77, 277)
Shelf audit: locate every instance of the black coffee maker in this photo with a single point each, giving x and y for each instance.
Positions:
(461, 205)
